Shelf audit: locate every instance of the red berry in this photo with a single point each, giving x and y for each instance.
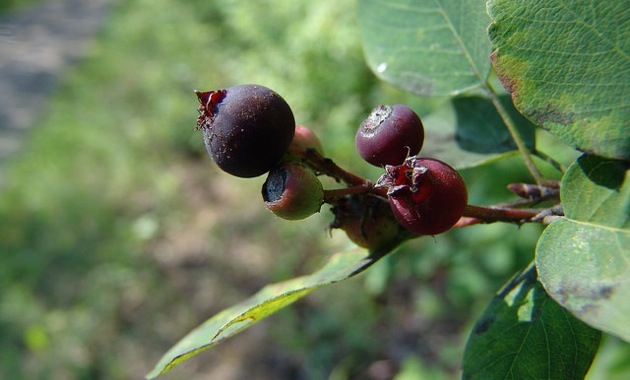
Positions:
(389, 135)
(293, 191)
(304, 139)
(247, 128)
(426, 195)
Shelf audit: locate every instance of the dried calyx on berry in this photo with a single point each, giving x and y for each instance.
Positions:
(426, 195)
(368, 222)
(293, 191)
(246, 128)
(389, 135)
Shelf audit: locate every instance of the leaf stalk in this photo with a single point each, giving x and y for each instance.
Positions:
(516, 136)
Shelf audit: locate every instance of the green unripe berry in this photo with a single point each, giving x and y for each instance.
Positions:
(293, 191)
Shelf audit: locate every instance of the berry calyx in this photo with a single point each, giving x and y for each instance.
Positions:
(389, 135)
(426, 195)
(293, 191)
(246, 128)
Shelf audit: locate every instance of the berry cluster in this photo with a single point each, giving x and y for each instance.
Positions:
(250, 130)
(426, 195)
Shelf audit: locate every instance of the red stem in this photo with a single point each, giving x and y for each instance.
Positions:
(333, 195)
(489, 214)
(327, 166)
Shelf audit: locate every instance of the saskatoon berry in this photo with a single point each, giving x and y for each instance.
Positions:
(293, 191)
(246, 128)
(426, 195)
(389, 135)
(368, 222)
(305, 139)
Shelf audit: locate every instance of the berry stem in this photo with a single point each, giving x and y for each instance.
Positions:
(327, 166)
(333, 195)
(489, 214)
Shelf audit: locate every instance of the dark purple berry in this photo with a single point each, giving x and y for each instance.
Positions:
(293, 191)
(389, 135)
(426, 195)
(246, 128)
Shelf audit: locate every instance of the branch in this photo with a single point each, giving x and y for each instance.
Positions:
(490, 214)
(506, 212)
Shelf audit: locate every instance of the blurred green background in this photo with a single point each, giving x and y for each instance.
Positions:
(118, 235)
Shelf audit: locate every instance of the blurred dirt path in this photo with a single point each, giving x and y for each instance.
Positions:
(38, 44)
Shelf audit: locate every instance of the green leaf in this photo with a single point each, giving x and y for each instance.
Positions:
(267, 301)
(524, 334)
(468, 132)
(583, 259)
(435, 48)
(597, 190)
(480, 129)
(567, 66)
(586, 268)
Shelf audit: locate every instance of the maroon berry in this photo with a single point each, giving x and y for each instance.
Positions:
(246, 128)
(293, 191)
(368, 222)
(389, 135)
(426, 195)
